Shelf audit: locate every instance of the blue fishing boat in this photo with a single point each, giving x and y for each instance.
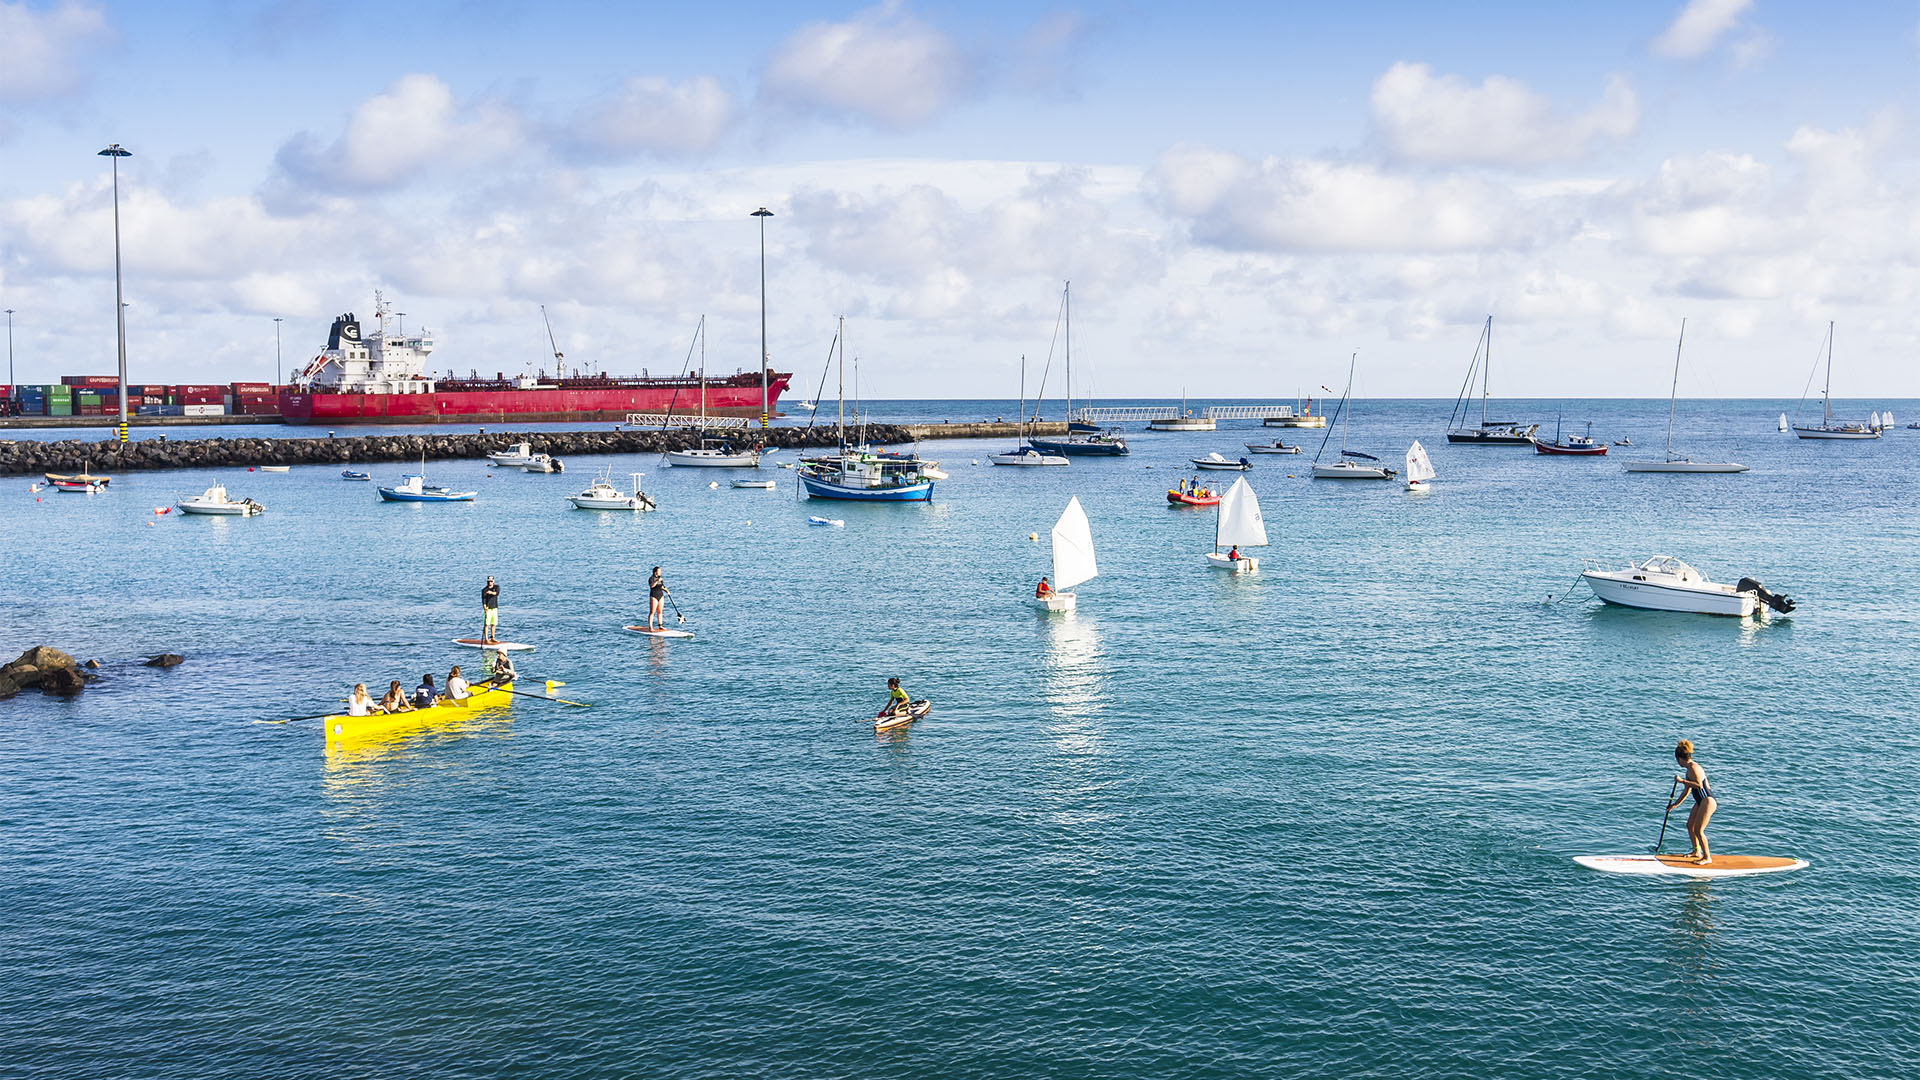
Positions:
(415, 489)
(860, 474)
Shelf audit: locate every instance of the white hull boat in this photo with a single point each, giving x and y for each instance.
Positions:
(758, 485)
(513, 456)
(1236, 524)
(543, 463)
(1351, 470)
(1664, 583)
(1029, 458)
(1347, 464)
(709, 457)
(1827, 428)
(214, 502)
(1220, 464)
(1073, 561)
(1275, 447)
(602, 495)
(1420, 472)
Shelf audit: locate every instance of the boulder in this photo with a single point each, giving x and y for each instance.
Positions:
(93, 665)
(22, 674)
(165, 660)
(42, 657)
(62, 682)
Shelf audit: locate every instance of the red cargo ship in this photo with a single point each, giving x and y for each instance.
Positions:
(383, 380)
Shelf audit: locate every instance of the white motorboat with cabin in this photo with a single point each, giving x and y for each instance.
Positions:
(1664, 583)
(1420, 472)
(1679, 464)
(214, 501)
(1827, 428)
(1347, 464)
(1237, 524)
(543, 463)
(513, 456)
(1073, 562)
(602, 495)
(1221, 464)
(1277, 446)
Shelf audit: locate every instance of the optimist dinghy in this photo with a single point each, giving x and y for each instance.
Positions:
(1072, 558)
(1237, 524)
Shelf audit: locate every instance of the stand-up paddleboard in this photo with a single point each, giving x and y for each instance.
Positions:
(1721, 866)
(666, 632)
(915, 710)
(502, 646)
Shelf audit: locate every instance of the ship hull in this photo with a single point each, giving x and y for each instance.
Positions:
(561, 404)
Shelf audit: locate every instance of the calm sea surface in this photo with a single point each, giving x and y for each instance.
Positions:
(1313, 822)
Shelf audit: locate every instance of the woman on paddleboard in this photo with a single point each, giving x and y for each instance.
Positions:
(1694, 781)
(656, 596)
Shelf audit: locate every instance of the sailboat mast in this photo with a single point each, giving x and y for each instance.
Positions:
(1674, 394)
(1827, 394)
(1020, 418)
(1067, 299)
(703, 374)
(1486, 374)
(841, 337)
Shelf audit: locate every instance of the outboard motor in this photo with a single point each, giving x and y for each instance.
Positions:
(1776, 601)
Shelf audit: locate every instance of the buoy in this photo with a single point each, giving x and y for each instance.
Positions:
(976, 461)
(1035, 537)
(713, 483)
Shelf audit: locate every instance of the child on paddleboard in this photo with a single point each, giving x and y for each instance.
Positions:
(896, 700)
(1693, 781)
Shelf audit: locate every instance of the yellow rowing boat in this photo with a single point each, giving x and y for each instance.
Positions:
(481, 696)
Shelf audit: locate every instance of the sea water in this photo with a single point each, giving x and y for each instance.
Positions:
(1313, 821)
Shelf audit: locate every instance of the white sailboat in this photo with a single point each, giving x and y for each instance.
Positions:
(1348, 464)
(1073, 561)
(1237, 524)
(713, 453)
(1683, 464)
(1024, 453)
(1784, 428)
(1827, 429)
(1419, 468)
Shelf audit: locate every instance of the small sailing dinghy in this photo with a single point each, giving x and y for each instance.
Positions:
(1073, 561)
(1420, 472)
(1237, 524)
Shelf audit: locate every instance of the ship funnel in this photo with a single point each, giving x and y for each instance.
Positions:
(345, 329)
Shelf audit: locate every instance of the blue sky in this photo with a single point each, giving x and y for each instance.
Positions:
(1243, 194)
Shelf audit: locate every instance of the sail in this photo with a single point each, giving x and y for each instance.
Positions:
(1072, 548)
(1873, 421)
(1240, 522)
(1419, 466)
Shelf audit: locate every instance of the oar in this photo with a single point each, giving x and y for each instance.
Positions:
(543, 697)
(1665, 816)
(295, 719)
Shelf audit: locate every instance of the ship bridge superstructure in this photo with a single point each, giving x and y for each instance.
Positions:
(388, 361)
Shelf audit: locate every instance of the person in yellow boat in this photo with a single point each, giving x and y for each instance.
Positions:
(501, 670)
(395, 699)
(456, 686)
(425, 696)
(360, 703)
(897, 704)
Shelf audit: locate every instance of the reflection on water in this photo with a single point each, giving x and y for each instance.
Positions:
(356, 767)
(1693, 934)
(1074, 667)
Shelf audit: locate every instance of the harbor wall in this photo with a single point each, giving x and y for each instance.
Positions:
(26, 457)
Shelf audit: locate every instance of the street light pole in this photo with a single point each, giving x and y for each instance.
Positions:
(116, 152)
(276, 354)
(763, 214)
(10, 382)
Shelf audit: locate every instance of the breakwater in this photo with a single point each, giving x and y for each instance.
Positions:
(26, 457)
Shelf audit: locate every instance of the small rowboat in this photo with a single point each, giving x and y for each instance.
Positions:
(1184, 498)
(349, 474)
(482, 696)
(84, 481)
(915, 710)
(762, 485)
(276, 468)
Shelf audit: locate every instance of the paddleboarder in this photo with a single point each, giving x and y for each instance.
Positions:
(490, 610)
(656, 596)
(897, 703)
(1693, 779)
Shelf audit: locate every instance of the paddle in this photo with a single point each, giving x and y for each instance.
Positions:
(543, 697)
(1665, 816)
(676, 610)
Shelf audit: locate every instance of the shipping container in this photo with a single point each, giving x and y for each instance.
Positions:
(204, 410)
(183, 389)
(60, 408)
(173, 410)
(90, 380)
(251, 388)
(260, 408)
(60, 393)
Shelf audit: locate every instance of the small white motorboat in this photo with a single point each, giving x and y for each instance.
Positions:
(543, 463)
(836, 523)
(353, 474)
(757, 485)
(276, 468)
(1274, 447)
(513, 456)
(1216, 462)
(214, 501)
(1664, 583)
(602, 495)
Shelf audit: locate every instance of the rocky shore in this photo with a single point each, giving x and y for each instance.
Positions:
(25, 457)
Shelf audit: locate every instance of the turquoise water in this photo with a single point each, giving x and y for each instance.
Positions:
(1317, 821)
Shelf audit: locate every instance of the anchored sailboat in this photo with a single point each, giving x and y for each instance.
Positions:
(1237, 524)
(1681, 464)
(1080, 442)
(1348, 464)
(1073, 562)
(1024, 452)
(1827, 429)
(1490, 432)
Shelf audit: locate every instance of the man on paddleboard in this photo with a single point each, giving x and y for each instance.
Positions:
(656, 595)
(1694, 782)
(490, 609)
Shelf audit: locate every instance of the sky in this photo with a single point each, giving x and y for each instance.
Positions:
(1244, 197)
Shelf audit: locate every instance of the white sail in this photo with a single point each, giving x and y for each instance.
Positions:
(1886, 418)
(1419, 466)
(1783, 421)
(1873, 421)
(1240, 523)
(1072, 548)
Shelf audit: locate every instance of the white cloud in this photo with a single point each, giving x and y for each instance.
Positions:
(399, 134)
(1698, 26)
(1296, 204)
(653, 115)
(883, 66)
(45, 52)
(1443, 119)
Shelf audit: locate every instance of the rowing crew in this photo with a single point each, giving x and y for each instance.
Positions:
(426, 695)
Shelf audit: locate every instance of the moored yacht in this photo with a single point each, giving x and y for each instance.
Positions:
(1490, 432)
(1664, 583)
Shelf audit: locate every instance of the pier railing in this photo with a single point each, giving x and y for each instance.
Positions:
(1247, 412)
(1121, 416)
(683, 420)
